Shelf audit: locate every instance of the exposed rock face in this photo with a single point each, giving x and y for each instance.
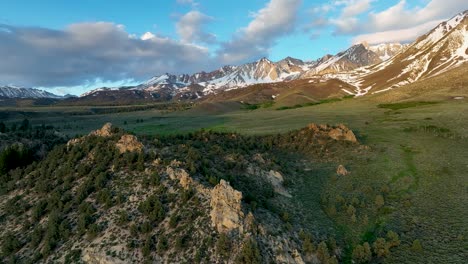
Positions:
(226, 213)
(129, 143)
(105, 131)
(180, 174)
(342, 171)
(276, 179)
(340, 132)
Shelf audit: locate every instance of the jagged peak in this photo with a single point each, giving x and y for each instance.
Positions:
(264, 59)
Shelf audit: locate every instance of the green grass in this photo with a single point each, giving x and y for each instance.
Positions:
(324, 101)
(398, 106)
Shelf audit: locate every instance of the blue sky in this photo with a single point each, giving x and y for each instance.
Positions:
(74, 46)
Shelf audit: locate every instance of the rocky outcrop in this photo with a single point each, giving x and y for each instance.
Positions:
(180, 174)
(126, 143)
(342, 171)
(129, 143)
(340, 132)
(276, 179)
(226, 213)
(105, 131)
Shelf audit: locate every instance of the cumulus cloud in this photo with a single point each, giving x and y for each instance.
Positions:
(405, 24)
(400, 22)
(33, 56)
(276, 19)
(400, 16)
(190, 28)
(399, 35)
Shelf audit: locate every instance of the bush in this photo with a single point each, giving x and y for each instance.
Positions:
(416, 246)
(249, 254)
(362, 253)
(381, 247)
(10, 244)
(393, 239)
(223, 246)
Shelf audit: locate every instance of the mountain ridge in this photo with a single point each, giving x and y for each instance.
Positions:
(10, 91)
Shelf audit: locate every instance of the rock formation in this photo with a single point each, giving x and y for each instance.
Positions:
(340, 132)
(105, 131)
(342, 171)
(129, 143)
(180, 174)
(126, 143)
(226, 213)
(276, 179)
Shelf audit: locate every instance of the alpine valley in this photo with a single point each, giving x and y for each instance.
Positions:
(357, 157)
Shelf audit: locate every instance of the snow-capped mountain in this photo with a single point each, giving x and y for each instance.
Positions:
(228, 77)
(20, 92)
(260, 71)
(377, 68)
(357, 56)
(386, 50)
(443, 48)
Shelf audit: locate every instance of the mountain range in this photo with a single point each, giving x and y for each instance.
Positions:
(364, 67)
(21, 92)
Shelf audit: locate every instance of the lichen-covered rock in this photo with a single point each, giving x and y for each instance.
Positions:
(226, 213)
(342, 171)
(129, 143)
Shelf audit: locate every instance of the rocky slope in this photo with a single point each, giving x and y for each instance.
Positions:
(357, 56)
(386, 50)
(110, 197)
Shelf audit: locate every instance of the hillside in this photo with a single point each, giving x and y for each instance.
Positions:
(109, 197)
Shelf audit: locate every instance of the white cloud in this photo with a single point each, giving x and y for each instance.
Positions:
(188, 2)
(276, 19)
(399, 35)
(400, 22)
(190, 28)
(354, 8)
(147, 35)
(400, 16)
(84, 52)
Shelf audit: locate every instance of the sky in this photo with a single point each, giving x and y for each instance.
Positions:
(74, 46)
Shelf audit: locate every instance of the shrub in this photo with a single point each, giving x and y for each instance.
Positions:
(381, 247)
(416, 246)
(392, 239)
(249, 254)
(223, 246)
